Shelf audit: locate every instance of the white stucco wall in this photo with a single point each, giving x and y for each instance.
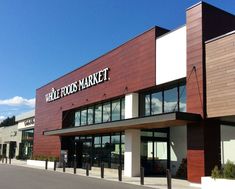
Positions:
(178, 146)
(227, 143)
(171, 56)
(131, 105)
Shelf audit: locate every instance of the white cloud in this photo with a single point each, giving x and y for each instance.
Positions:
(2, 118)
(18, 101)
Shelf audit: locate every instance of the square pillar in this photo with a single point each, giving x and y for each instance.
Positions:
(131, 105)
(132, 153)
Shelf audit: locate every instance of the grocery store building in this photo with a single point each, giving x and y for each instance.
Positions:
(164, 99)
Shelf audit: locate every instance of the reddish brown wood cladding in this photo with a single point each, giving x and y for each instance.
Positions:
(195, 161)
(194, 59)
(132, 68)
(201, 26)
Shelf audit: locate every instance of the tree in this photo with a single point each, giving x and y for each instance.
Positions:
(8, 121)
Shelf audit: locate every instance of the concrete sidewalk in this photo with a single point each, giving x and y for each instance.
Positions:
(112, 175)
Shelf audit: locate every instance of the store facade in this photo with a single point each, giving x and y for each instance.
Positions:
(26, 123)
(145, 103)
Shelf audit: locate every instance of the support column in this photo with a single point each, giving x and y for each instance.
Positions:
(132, 153)
(203, 149)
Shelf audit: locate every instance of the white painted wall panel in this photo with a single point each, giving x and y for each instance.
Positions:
(227, 143)
(131, 105)
(171, 56)
(178, 146)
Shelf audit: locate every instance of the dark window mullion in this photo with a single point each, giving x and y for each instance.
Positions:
(110, 113)
(178, 102)
(163, 99)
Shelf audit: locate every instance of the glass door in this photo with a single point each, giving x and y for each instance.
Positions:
(155, 152)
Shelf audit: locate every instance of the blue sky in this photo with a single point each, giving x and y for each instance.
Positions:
(41, 40)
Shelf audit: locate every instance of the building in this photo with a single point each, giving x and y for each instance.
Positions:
(16, 141)
(26, 127)
(10, 139)
(156, 100)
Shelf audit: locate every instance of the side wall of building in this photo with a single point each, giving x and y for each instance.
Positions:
(131, 68)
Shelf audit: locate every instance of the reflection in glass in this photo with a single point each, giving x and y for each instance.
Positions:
(116, 110)
(90, 114)
(147, 105)
(98, 111)
(182, 103)
(171, 100)
(106, 150)
(77, 118)
(106, 112)
(123, 108)
(84, 117)
(97, 151)
(156, 106)
(115, 150)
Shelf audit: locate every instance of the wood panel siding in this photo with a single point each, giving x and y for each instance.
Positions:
(201, 26)
(220, 66)
(132, 68)
(194, 60)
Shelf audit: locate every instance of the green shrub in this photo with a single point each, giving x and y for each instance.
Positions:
(229, 170)
(43, 158)
(216, 173)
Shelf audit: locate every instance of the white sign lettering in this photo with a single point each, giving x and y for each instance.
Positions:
(84, 83)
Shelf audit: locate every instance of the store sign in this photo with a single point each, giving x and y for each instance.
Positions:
(84, 83)
(28, 122)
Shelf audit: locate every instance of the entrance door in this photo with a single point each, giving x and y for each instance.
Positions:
(155, 152)
(83, 151)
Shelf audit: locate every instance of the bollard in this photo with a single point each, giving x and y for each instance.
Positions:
(120, 173)
(6, 160)
(2, 159)
(9, 160)
(63, 166)
(168, 176)
(87, 169)
(55, 165)
(102, 170)
(46, 164)
(75, 167)
(141, 175)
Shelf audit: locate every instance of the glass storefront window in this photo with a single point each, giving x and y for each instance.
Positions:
(171, 100)
(168, 100)
(26, 146)
(90, 114)
(156, 103)
(106, 112)
(147, 133)
(98, 113)
(160, 135)
(97, 151)
(77, 118)
(84, 117)
(123, 108)
(147, 105)
(116, 110)
(106, 151)
(182, 97)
